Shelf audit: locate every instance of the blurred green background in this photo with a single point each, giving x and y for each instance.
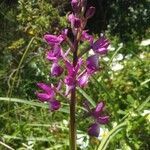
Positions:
(124, 82)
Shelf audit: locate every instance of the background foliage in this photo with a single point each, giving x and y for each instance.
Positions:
(123, 82)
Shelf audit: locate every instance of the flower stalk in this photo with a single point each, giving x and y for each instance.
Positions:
(73, 104)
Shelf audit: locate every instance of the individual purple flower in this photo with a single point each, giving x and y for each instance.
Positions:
(55, 53)
(100, 46)
(98, 116)
(90, 12)
(92, 64)
(87, 37)
(94, 130)
(48, 96)
(56, 70)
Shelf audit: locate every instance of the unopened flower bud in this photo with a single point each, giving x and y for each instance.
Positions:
(90, 12)
(75, 5)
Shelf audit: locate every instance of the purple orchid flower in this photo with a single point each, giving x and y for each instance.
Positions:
(48, 96)
(100, 46)
(97, 114)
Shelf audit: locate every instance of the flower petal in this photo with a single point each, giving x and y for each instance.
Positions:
(87, 37)
(56, 70)
(54, 105)
(99, 107)
(47, 89)
(103, 119)
(53, 39)
(55, 53)
(100, 46)
(69, 80)
(43, 97)
(83, 80)
(94, 130)
(92, 63)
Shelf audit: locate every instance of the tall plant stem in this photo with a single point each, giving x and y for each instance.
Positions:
(73, 145)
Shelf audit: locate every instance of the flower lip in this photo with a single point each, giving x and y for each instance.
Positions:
(56, 70)
(54, 105)
(92, 63)
(94, 130)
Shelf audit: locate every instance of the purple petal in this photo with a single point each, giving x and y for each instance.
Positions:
(43, 97)
(54, 105)
(64, 33)
(99, 107)
(56, 70)
(92, 63)
(55, 53)
(75, 22)
(83, 80)
(53, 39)
(70, 68)
(103, 119)
(78, 66)
(100, 46)
(69, 80)
(68, 89)
(94, 130)
(86, 37)
(75, 5)
(45, 87)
